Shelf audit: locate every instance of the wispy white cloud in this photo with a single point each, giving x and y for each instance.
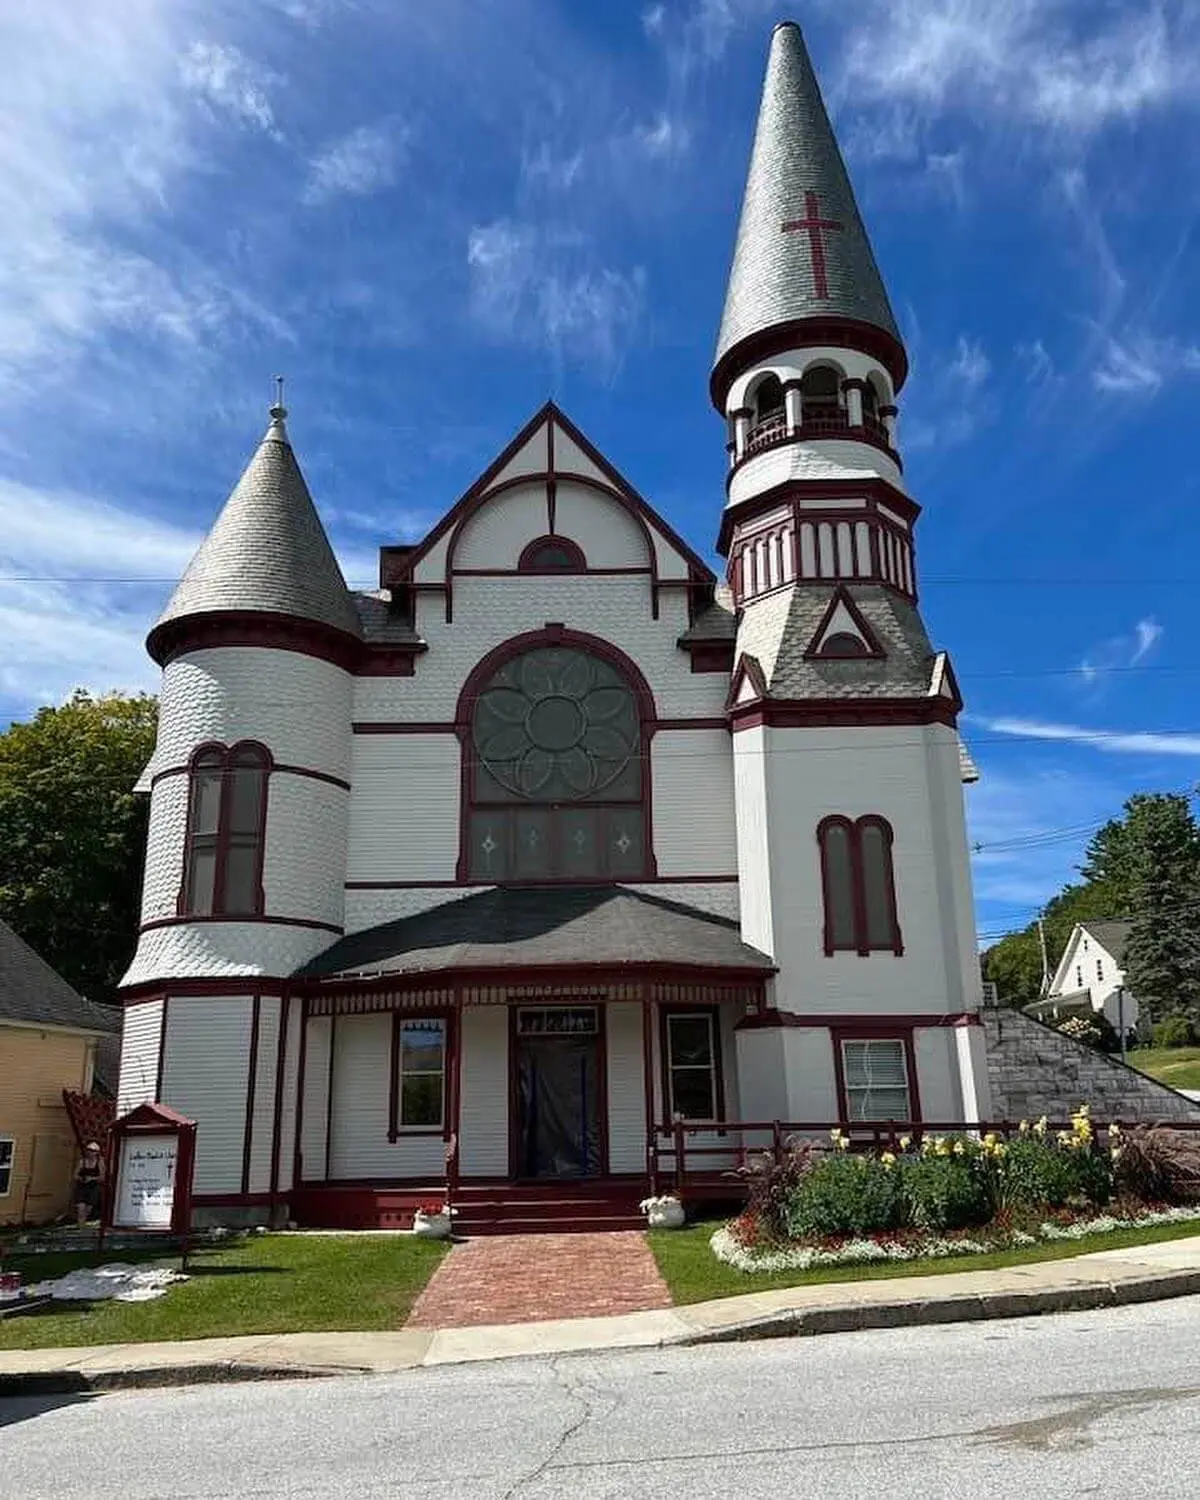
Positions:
(1121, 652)
(357, 164)
(1036, 361)
(1141, 364)
(954, 398)
(544, 288)
(970, 366)
(229, 81)
(1061, 69)
(1111, 741)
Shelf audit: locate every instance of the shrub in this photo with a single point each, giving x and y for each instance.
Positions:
(847, 1194)
(1093, 1031)
(1174, 1031)
(1039, 1173)
(1157, 1164)
(946, 1192)
(772, 1183)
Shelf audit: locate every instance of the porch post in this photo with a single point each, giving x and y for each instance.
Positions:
(302, 1048)
(649, 1011)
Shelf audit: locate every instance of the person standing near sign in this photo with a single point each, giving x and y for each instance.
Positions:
(87, 1185)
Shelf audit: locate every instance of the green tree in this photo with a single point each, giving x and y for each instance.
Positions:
(73, 834)
(1152, 857)
(1014, 964)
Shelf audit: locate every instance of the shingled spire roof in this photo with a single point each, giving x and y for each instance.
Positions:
(267, 552)
(802, 251)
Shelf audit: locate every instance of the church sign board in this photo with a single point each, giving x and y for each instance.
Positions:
(148, 1184)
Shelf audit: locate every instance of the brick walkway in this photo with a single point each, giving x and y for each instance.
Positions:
(527, 1278)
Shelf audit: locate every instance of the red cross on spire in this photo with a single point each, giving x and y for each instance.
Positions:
(815, 224)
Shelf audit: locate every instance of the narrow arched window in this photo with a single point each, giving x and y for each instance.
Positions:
(858, 885)
(223, 858)
(842, 644)
(552, 554)
(819, 395)
(557, 787)
(768, 399)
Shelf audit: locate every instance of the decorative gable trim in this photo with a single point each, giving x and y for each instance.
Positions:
(749, 683)
(943, 683)
(843, 616)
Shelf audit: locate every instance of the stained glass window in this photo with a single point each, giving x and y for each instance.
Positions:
(858, 882)
(556, 773)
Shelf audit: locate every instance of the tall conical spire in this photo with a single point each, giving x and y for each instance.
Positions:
(802, 253)
(267, 552)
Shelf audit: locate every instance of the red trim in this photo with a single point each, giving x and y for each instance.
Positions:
(665, 1012)
(842, 596)
(231, 759)
(397, 1131)
(364, 727)
(393, 1133)
(808, 333)
(770, 1020)
(454, 885)
(648, 1022)
(860, 941)
(748, 669)
(151, 989)
(259, 920)
(525, 563)
(870, 493)
(829, 713)
(674, 724)
(892, 1032)
(277, 769)
(279, 632)
(553, 635)
(449, 726)
(251, 1082)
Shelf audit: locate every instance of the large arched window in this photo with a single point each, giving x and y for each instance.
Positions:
(819, 401)
(859, 886)
(227, 815)
(556, 772)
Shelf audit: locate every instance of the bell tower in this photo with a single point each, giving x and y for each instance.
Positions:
(852, 851)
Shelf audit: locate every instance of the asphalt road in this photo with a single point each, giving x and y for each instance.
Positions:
(1086, 1404)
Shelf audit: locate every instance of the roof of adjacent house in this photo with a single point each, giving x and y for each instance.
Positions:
(1112, 936)
(796, 165)
(550, 926)
(34, 993)
(267, 551)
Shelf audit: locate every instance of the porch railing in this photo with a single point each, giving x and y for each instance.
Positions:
(676, 1157)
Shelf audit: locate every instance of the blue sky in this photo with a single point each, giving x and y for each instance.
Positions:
(432, 217)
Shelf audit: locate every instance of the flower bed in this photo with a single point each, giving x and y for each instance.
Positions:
(825, 1205)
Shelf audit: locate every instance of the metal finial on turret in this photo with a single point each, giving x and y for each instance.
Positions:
(278, 411)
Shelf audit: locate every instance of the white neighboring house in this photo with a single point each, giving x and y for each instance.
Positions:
(1089, 976)
(492, 873)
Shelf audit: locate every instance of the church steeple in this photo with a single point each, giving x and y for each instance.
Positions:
(267, 555)
(803, 269)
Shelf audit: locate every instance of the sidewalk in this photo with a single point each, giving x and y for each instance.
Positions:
(1145, 1273)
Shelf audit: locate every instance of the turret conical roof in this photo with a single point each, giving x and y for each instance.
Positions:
(267, 552)
(802, 251)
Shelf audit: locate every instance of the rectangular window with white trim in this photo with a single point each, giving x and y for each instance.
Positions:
(8, 1151)
(875, 1075)
(691, 1056)
(418, 1090)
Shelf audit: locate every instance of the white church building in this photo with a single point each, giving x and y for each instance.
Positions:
(556, 849)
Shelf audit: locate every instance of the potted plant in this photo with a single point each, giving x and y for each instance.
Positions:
(663, 1212)
(432, 1221)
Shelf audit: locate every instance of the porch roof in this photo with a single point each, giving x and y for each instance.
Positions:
(544, 927)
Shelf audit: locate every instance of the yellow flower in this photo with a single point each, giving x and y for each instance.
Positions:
(888, 1159)
(990, 1139)
(1024, 1127)
(905, 1142)
(941, 1147)
(1040, 1128)
(959, 1148)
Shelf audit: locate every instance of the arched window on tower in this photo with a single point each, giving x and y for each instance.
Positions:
(820, 406)
(871, 403)
(557, 781)
(843, 645)
(858, 883)
(226, 828)
(770, 412)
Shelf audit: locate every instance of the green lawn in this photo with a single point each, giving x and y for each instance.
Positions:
(694, 1274)
(263, 1284)
(1178, 1066)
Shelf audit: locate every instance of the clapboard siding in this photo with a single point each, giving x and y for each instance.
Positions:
(141, 1032)
(626, 1088)
(204, 1077)
(360, 1147)
(263, 1128)
(316, 1098)
(397, 777)
(483, 1127)
(693, 769)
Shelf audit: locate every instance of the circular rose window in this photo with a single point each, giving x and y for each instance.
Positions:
(557, 725)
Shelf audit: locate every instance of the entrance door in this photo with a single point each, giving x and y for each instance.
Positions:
(558, 1093)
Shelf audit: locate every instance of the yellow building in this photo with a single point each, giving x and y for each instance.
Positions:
(51, 1039)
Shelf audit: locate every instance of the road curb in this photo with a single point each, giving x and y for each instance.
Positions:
(850, 1317)
(800, 1322)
